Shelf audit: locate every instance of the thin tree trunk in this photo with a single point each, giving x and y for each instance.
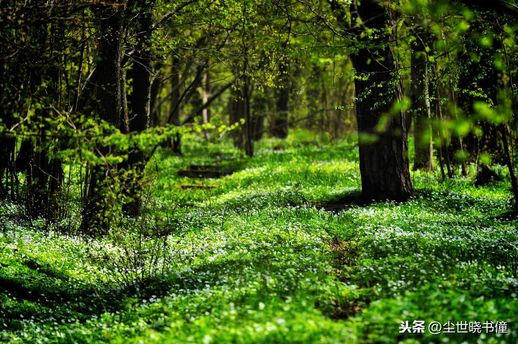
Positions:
(444, 156)
(7, 144)
(154, 107)
(176, 141)
(421, 110)
(205, 95)
(279, 124)
(249, 143)
(510, 166)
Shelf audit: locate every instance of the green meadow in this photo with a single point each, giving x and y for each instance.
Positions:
(279, 251)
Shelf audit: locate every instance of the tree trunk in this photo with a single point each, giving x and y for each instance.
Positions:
(7, 144)
(479, 81)
(261, 106)
(444, 151)
(205, 95)
(155, 102)
(510, 166)
(140, 113)
(236, 114)
(279, 124)
(384, 160)
(421, 110)
(44, 172)
(176, 141)
(107, 96)
(249, 139)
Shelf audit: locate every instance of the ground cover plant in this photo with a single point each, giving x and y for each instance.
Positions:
(256, 257)
(258, 171)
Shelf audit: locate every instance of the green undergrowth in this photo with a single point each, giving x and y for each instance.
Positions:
(255, 257)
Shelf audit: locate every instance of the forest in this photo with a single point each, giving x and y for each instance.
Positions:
(258, 171)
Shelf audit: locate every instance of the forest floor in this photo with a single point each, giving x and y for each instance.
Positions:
(265, 255)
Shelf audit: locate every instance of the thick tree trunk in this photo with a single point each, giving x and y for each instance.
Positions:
(140, 113)
(140, 74)
(421, 110)
(107, 94)
(384, 161)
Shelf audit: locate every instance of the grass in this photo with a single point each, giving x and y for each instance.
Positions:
(255, 258)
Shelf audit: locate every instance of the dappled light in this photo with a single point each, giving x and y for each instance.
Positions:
(258, 171)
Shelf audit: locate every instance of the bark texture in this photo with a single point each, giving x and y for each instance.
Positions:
(106, 90)
(383, 155)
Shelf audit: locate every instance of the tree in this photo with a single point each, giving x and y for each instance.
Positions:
(31, 71)
(384, 162)
(383, 148)
(420, 99)
(139, 118)
(176, 141)
(279, 123)
(106, 91)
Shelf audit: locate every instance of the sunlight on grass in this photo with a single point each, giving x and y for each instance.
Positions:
(255, 260)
